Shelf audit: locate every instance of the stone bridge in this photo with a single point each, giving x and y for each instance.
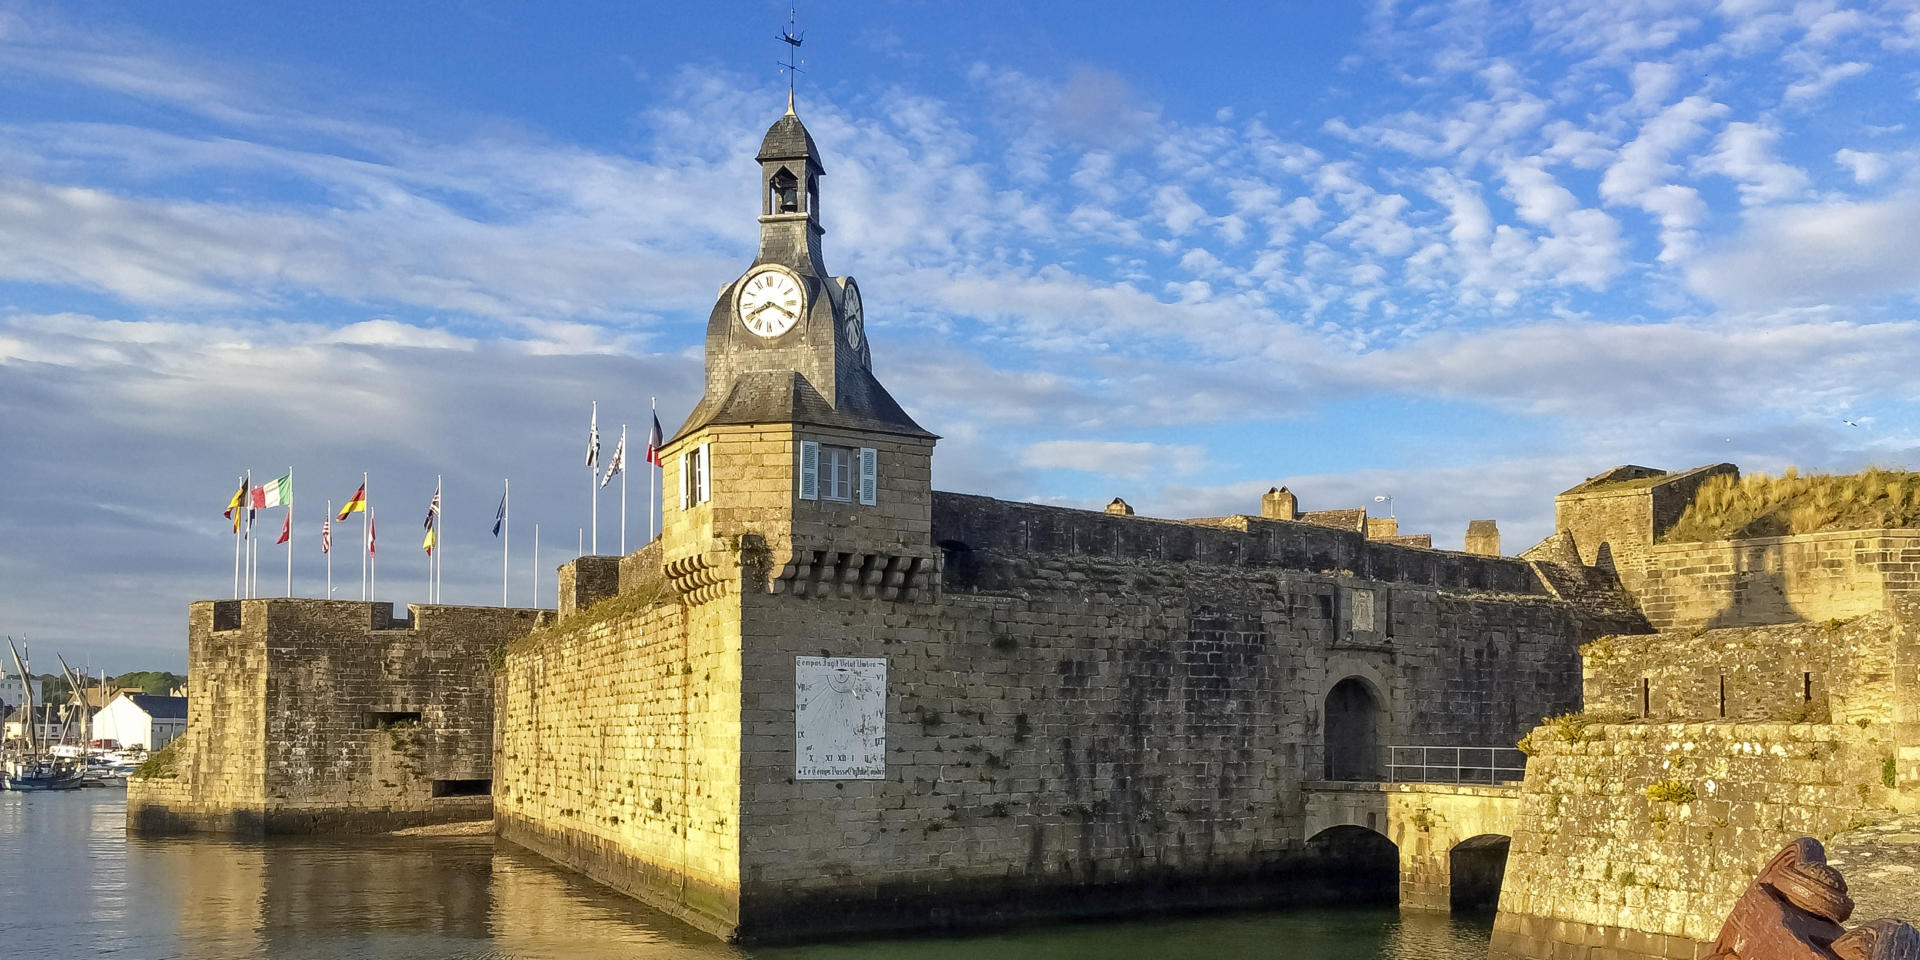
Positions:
(1452, 838)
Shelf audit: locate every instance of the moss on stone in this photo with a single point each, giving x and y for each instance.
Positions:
(162, 764)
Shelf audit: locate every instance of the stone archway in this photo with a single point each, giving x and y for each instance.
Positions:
(1475, 867)
(1354, 717)
(1355, 865)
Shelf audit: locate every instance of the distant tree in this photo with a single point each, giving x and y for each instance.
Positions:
(156, 682)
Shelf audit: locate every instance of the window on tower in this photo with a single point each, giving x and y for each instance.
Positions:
(836, 473)
(786, 192)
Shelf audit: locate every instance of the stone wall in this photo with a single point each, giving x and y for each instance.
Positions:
(330, 716)
(1831, 672)
(1815, 576)
(617, 750)
(1634, 840)
(1090, 713)
(1084, 730)
(1614, 523)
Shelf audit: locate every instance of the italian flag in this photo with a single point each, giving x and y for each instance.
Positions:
(273, 493)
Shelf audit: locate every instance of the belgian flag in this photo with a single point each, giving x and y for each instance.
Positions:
(233, 507)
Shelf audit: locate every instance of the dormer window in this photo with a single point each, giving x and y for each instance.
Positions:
(786, 192)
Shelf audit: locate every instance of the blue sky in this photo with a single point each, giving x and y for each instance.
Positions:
(1462, 253)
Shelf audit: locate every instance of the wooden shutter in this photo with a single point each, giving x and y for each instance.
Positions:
(869, 475)
(706, 472)
(809, 470)
(686, 477)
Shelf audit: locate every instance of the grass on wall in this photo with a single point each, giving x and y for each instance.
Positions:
(1760, 505)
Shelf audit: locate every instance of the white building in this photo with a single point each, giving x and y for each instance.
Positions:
(138, 719)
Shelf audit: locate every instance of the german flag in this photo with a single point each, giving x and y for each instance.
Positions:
(355, 505)
(233, 507)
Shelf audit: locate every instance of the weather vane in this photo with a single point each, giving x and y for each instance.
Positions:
(791, 65)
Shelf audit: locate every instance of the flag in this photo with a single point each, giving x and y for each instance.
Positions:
(500, 515)
(233, 506)
(273, 493)
(326, 536)
(427, 543)
(593, 438)
(286, 529)
(654, 442)
(433, 508)
(369, 534)
(619, 460)
(355, 505)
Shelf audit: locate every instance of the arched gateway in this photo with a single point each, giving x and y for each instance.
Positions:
(1352, 731)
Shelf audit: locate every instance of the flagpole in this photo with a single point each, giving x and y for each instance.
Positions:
(506, 532)
(439, 540)
(236, 540)
(593, 477)
(328, 524)
(249, 508)
(536, 565)
(623, 489)
(652, 455)
(364, 541)
(289, 531)
(372, 565)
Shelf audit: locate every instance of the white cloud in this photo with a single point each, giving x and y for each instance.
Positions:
(1115, 458)
(1867, 168)
(1825, 79)
(1642, 173)
(1816, 253)
(1744, 152)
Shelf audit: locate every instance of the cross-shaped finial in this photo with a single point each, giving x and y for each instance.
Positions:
(791, 65)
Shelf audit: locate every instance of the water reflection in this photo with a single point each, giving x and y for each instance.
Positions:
(71, 885)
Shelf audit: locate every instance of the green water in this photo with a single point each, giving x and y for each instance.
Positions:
(73, 885)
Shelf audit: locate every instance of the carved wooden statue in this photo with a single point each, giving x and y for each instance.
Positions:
(1794, 911)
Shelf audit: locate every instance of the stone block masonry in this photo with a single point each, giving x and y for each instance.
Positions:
(1807, 577)
(316, 716)
(1634, 840)
(1092, 713)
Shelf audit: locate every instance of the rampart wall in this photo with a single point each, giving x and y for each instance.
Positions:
(330, 716)
(1089, 708)
(1815, 576)
(1634, 840)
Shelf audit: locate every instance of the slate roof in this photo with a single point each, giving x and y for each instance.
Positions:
(1355, 519)
(785, 396)
(788, 139)
(160, 708)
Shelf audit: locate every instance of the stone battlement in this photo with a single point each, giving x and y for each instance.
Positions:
(330, 716)
(967, 523)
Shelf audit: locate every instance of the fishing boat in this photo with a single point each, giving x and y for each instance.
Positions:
(41, 773)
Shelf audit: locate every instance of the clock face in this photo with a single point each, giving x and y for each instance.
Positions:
(770, 302)
(856, 316)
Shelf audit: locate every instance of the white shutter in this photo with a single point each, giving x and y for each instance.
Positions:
(706, 472)
(686, 477)
(869, 474)
(809, 470)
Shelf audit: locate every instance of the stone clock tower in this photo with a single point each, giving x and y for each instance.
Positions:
(797, 469)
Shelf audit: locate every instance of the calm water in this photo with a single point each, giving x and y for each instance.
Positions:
(73, 885)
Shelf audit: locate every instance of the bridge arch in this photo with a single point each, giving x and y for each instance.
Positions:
(1353, 728)
(1354, 864)
(1475, 867)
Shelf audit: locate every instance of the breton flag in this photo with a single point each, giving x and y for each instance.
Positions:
(654, 442)
(286, 529)
(500, 515)
(619, 460)
(273, 493)
(326, 536)
(355, 505)
(233, 506)
(593, 438)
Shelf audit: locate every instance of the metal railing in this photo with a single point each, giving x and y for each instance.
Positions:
(1422, 764)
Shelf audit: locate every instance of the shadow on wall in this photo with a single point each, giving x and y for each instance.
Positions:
(1355, 866)
(1476, 867)
(1352, 731)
